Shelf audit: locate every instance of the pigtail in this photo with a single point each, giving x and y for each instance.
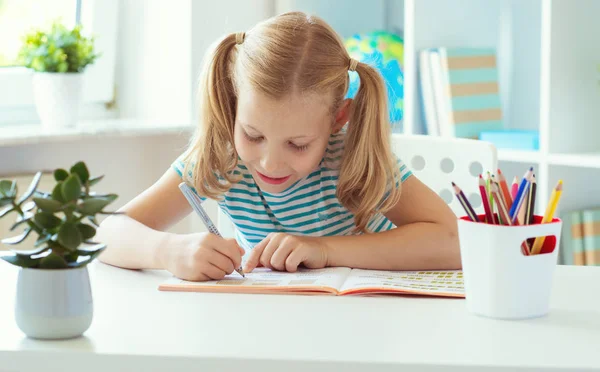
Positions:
(213, 155)
(369, 180)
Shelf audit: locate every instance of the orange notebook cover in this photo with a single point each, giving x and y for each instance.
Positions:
(337, 281)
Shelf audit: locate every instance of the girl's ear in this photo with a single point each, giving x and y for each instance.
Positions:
(342, 115)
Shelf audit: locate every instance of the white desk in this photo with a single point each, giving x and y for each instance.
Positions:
(138, 328)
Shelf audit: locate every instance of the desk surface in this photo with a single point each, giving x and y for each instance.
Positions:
(136, 327)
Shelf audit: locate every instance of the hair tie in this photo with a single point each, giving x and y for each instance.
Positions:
(353, 64)
(239, 37)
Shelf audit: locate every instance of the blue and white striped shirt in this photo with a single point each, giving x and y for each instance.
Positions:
(309, 207)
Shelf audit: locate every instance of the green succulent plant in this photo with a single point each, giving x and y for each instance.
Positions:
(58, 49)
(64, 219)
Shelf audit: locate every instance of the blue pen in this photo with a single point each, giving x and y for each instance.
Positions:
(195, 202)
(519, 198)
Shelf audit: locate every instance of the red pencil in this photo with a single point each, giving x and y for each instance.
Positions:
(514, 188)
(489, 217)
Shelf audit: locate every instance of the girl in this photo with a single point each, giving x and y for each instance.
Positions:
(307, 177)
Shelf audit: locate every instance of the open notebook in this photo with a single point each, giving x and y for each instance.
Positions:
(338, 281)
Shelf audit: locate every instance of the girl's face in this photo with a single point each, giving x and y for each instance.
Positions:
(282, 141)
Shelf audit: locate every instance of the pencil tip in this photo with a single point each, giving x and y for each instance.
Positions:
(499, 172)
(453, 184)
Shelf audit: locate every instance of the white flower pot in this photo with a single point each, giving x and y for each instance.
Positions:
(53, 304)
(57, 97)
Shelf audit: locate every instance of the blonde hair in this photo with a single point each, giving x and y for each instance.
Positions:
(286, 54)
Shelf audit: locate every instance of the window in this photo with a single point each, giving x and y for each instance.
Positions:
(19, 16)
(98, 17)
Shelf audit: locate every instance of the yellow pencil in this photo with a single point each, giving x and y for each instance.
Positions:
(548, 216)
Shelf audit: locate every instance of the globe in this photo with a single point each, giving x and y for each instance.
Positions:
(384, 51)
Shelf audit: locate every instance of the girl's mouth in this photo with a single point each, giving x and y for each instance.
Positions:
(273, 180)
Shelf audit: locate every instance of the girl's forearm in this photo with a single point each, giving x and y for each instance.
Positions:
(133, 245)
(418, 246)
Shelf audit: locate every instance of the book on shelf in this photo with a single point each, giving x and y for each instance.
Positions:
(580, 243)
(460, 93)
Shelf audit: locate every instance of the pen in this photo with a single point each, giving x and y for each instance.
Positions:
(195, 202)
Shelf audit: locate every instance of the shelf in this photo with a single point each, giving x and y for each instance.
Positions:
(583, 160)
(519, 156)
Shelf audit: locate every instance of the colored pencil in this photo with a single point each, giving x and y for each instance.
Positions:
(548, 216)
(502, 210)
(489, 216)
(504, 188)
(465, 203)
(518, 200)
(488, 181)
(530, 206)
(503, 214)
(514, 189)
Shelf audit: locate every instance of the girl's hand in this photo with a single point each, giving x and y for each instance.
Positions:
(204, 257)
(284, 252)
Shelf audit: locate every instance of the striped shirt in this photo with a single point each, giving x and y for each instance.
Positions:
(309, 207)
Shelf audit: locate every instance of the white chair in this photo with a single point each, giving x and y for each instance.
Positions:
(439, 161)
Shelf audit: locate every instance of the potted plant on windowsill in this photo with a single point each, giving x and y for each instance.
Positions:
(53, 297)
(58, 57)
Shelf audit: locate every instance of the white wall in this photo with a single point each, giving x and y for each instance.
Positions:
(153, 71)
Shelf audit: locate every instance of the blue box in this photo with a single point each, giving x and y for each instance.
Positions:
(513, 139)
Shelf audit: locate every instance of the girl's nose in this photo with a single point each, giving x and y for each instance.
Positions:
(271, 162)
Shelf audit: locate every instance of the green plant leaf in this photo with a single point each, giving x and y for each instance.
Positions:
(13, 189)
(6, 201)
(82, 171)
(57, 193)
(69, 236)
(71, 188)
(28, 206)
(32, 187)
(21, 220)
(5, 188)
(6, 211)
(47, 220)
(92, 206)
(86, 231)
(53, 261)
(91, 254)
(31, 252)
(17, 239)
(22, 261)
(95, 180)
(93, 220)
(48, 205)
(41, 240)
(60, 175)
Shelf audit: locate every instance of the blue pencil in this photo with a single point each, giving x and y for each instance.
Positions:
(514, 209)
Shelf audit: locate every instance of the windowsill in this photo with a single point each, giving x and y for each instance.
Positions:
(26, 134)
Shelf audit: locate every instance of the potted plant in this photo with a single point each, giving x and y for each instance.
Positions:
(58, 57)
(53, 297)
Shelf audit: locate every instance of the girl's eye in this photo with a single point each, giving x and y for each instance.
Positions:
(252, 139)
(297, 147)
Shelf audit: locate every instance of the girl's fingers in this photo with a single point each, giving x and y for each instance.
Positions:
(255, 254)
(279, 257)
(213, 272)
(221, 262)
(293, 260)
(230, 249)
(272, 246)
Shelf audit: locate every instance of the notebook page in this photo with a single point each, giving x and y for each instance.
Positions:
(444, 283)
(265, 280)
